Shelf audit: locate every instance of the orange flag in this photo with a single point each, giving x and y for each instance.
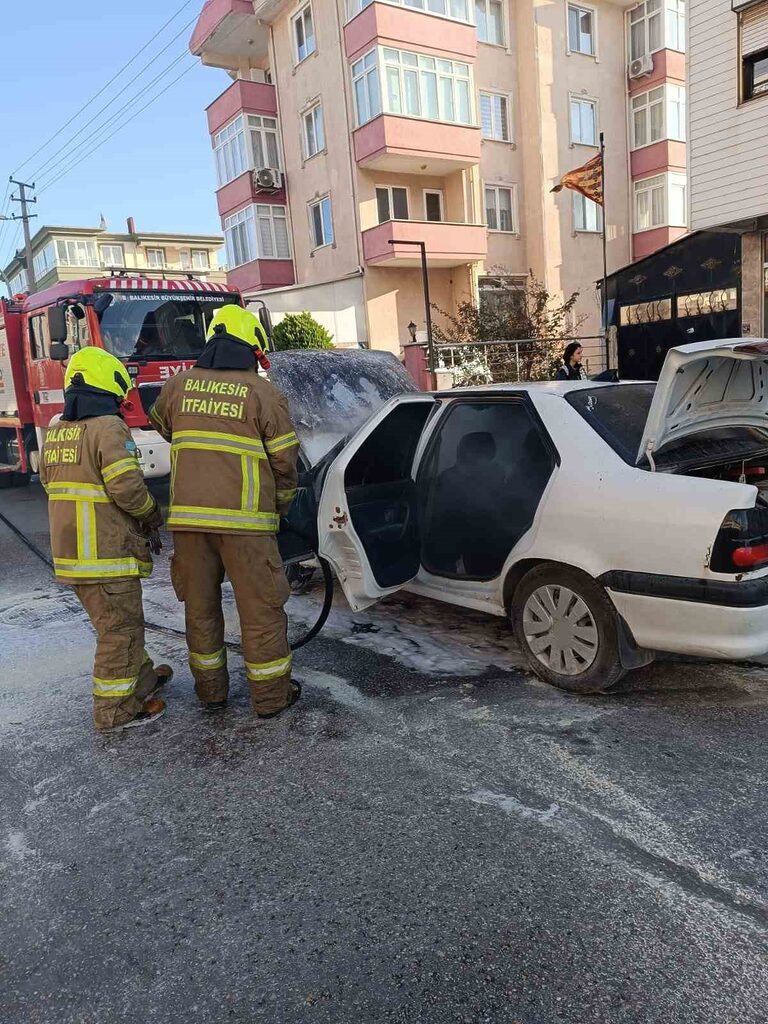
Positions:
(587, 179)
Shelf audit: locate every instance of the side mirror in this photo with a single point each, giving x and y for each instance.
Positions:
(266, 322)
(57, 324)
(102, 302)
(59, 351)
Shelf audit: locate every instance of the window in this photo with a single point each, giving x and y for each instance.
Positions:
(428, 87)
(658, 114)
(229, 150)
(489, 18)
(200, 259)
(185, 259)
(314, 132)
(494, 116)
(654, 25)
(365, 83)
(321, 223)
(660, 201)
(500, 208)
(44, 260)
(248, 142)
(587, 216)
(264, 148)
(583, 121)
(456, 9)
(675, 25)
(304, 33)
(581, 29)
(433, 204)
(112, 256)
(75, 252)
(391, 203)
(39, 339)
(256, 232)
(501, 294)
(156, 259)
(489, 464)
(755, 74)
(18, 283)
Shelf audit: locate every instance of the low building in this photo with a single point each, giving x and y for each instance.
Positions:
(68, 254)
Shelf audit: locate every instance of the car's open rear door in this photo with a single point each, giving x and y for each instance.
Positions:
(368, 516)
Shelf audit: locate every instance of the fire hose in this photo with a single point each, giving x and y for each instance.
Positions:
(154, 627)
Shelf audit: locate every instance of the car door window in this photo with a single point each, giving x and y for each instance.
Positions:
(481, 484)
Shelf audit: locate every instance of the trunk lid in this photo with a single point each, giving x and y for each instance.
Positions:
(704, 386)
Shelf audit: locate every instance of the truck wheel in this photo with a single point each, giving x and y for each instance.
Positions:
(14, 480)
(566, 627)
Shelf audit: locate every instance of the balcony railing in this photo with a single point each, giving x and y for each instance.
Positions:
(408, 145)
(447, 244)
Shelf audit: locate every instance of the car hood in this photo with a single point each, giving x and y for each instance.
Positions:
(332, 393)
(706, 385)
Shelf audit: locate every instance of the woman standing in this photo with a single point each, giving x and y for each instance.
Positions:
(572, 368)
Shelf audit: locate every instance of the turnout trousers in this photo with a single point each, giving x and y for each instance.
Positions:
(255, 569)
(123, 673)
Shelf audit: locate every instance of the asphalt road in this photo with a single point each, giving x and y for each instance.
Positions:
(457, 844)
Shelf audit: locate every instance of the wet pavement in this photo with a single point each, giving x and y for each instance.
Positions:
(430, 836)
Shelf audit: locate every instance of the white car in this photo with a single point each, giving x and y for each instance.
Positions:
(607, 521)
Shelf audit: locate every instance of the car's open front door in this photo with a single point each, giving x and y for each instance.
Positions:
(367, 517)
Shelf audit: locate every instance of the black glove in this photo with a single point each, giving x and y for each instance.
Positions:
(153, 521)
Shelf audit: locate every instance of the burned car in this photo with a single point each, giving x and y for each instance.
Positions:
(607, 521)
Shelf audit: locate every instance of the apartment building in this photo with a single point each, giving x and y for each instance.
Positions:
(728, 83)
(353, 130)
(68, 254)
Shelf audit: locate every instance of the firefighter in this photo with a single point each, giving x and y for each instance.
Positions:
(101, 515)
(233, 474)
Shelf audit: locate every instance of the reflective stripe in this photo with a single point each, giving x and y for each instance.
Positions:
(249, 501)
(286, 495)
(277, 444)
(147, 506)
(209, 662)
(85, 514)
(114, 687)
(210, 440)
(257, 672)
(154, 415)
(117, 469)
(98, 567)
(214, 518)
(74, 493)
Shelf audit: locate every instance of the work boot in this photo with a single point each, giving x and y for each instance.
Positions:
(152, 709)
(163, 674)
(295, 694)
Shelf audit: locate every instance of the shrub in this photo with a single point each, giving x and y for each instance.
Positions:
(301, 330)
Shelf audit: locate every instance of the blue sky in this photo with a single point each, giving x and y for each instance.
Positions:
(158, 168)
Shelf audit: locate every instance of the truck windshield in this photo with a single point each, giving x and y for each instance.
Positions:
(158, 325)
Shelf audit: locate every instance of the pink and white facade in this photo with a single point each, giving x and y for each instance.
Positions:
(353, 129)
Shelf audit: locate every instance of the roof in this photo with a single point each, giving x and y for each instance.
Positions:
(558, 388)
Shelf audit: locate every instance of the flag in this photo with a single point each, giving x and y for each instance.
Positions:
(587, 179)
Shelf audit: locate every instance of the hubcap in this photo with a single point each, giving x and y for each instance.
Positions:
(560, 630)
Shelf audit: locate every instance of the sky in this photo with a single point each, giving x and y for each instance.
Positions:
(159, 168)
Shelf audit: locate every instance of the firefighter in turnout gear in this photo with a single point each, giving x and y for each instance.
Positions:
(233, 474)
(100, 514)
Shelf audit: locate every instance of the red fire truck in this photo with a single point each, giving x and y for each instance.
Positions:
(155, 326)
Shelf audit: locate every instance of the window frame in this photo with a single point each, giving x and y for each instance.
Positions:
(390, 201)
(586, 9)
(247, 217)
(667, 182)
(45, 338)
(598, 229)
(163, 256)
(368, 72)
(311, 112)
(110, 263)
(43, 261)
(67, 261)
(265, 131)
(311, 206)
(351, 13)
(441, 195)
(504, 33)
(507, 97)
(295, 17)
(512, 188)
(666, 100)
(575, 97)
(417, 67)
(747, 72)
(663, 12)
(201, 252)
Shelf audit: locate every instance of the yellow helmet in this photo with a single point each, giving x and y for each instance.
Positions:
(240, 323)
(98, 369)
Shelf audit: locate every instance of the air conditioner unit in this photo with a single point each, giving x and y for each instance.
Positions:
(641, 66)
(268, 179)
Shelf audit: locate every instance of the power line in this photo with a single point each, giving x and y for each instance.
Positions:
(119, 128)
(75, 143)
(104, 88)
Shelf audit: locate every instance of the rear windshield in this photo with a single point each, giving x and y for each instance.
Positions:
(618, 413)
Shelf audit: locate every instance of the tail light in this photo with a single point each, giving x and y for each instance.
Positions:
(741, 544)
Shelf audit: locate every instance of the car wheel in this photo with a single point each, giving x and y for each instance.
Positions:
(566, 627)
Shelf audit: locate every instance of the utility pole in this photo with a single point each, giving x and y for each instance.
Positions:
(25, 218)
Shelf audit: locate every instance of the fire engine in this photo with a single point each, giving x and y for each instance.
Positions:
(156, 326)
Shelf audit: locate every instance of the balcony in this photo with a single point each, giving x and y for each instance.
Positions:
(447, 244)
(241, 97)
(666, 64)
(260, 274)
(410, 145)
(228, 33)
(668, 154)
(388, 25)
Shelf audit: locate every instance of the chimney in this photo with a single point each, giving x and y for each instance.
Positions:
(131, 226)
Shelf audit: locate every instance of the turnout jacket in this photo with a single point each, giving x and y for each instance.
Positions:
(96, 493)
(233, 451)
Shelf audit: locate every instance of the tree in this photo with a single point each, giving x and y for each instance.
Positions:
(301, 330)
(530, 314)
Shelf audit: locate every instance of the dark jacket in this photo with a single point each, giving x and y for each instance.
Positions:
(571, 373)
